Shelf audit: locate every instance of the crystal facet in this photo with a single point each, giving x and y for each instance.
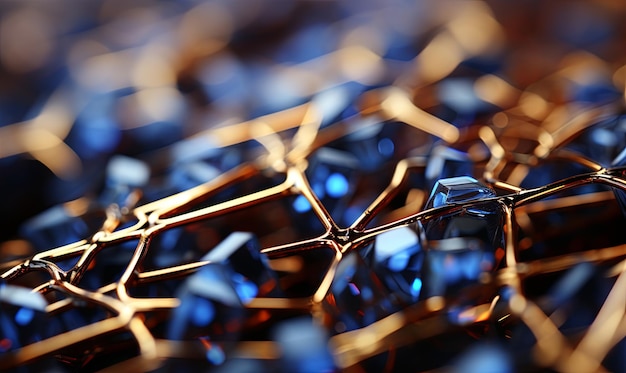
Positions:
(22, 316)
(212, 299)
(357, 297)
(456, 190)
(461, 245)
(332, 175)
(397, 257)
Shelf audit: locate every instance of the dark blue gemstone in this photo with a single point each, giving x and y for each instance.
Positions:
(307, 43)
(457, 190)
(62, 225)
(596, 92)
(375, 144)
(461, 245)
(332, 175)
(603, 141)
(24, 322)
(453, 264)
(240, 252)
(22, 317)
(212, 299)
(96, 132)
(397, 257)
(357, 296)
(123, 176)
(209, 306)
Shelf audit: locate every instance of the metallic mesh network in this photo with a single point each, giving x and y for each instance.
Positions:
(401, 187)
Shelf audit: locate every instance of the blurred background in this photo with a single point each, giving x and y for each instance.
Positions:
(81, 82)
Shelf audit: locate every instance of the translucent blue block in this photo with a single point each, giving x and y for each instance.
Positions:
(457, 190)
(123, 176)
(461, 245)
(455, 264)
(357, 296)
(603, 141)
(210, 306)
(61, 225)
(444, 162)
(372, 144)
(22, 317)
(304, 346)
(96, 131)
(397, 258)
(332, 175)
(240, 252)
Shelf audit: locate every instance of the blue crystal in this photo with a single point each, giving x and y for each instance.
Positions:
(454, 263)
(396, 256)
(208, 303)
(459, 94)
(240, 251)
(603, 141)
(461, 245)
(332, 175)
(456, 190)
(357, 297)
(60, 225)
(96, 131)
(374, 144)
(212, 299)
(123, 175)
(22, 316)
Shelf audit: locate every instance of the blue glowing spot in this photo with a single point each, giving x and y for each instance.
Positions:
(24, 316)
(386, 147)
(215, 355)
(98, 134)
(351, 214)
(398, 262)
(354, 289)
(367, 294)
(604, 137)
(319, 190)
(203, 312)
(416, 286)
(301, 204)
(337, 185)
(484, 358)
(246, 289)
